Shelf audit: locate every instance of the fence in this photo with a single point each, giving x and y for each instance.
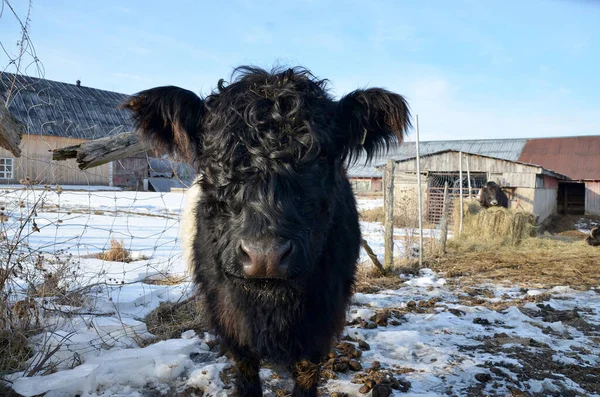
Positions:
(82, 263)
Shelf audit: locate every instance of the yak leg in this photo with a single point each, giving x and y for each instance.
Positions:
(306, 375)
(247, 379)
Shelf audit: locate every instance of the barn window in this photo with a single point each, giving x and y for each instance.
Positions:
(6, 168)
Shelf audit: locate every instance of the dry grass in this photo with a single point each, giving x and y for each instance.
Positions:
(545, 262)
(373, 215)
(14, 351)
(402, 218)
(495, 224)
(500, 245)
(116, 253)
(368, 279)
(169, 320)
(369, 195)
(164, 279)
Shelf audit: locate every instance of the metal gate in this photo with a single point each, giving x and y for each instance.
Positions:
(435, 201)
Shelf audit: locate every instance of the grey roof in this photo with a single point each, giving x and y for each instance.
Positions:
(506, 149)
(49, 107)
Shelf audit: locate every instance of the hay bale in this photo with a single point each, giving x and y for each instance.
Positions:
(497, 224)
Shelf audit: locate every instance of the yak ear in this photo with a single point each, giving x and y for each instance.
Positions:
(372, 120)
(169, 118)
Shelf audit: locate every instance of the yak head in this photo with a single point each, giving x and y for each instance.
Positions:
(270, 149)
(489, 196)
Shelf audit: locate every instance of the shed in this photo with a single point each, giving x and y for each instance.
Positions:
(529, 187)
(368, 177)
(577, 157)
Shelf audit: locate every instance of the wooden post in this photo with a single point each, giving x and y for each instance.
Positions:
(419, 196)
(388, 206)
(373, 257)
(460, 190)
(469, 177)
(444, 224)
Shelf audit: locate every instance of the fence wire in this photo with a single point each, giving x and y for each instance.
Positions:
(81, 263)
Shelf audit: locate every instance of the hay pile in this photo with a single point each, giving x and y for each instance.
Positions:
(495, 224)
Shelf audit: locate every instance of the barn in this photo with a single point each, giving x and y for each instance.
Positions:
(55, 115)
(529, 187)
(574, 157)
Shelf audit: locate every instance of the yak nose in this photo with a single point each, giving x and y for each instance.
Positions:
(494, 202)
(266, 258)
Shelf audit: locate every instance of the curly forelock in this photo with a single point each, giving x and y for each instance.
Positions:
(264, 119)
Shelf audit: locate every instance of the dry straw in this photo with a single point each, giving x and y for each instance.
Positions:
(495, 224)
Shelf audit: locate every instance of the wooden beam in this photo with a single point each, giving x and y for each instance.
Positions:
(101, 151)
(11, 131)
(372, 255)
(388, 206)
(444, 223)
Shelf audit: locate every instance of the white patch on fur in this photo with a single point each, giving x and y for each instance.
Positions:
(188, 227)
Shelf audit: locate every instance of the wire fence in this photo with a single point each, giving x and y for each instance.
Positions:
(85, 256)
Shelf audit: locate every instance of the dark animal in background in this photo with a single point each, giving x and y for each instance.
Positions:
(271, 229)
(594, 238)
(491, 195)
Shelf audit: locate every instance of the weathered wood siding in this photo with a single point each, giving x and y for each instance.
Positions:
(528, 190)
(130, 171)
(592, 197)
(506, 172)
(36, 163)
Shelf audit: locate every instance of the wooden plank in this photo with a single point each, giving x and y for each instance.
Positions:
(389, 215)
(444, 225)
(11, 131)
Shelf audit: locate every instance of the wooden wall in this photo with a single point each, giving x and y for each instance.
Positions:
(507, 172)
(36, 163)
(532, 191)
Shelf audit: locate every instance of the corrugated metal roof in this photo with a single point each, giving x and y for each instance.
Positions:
(506, 149)
(49, 107)
(576, 157)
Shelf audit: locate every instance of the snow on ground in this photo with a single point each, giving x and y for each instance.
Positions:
(443, 339)
(586, 225)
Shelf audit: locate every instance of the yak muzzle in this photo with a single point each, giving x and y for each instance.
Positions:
(265, 259)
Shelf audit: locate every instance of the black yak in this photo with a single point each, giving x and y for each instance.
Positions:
(271, 228)
(491, 195)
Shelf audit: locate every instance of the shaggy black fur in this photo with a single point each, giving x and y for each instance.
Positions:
(491, 195)
(271, 150)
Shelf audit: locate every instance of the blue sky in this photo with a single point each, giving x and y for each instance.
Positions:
(469, 68)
